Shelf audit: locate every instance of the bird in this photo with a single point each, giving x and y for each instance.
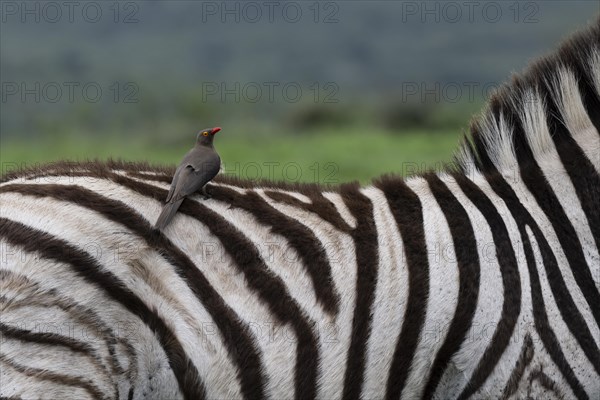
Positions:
(198, 167)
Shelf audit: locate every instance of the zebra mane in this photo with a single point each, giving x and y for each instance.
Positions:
(556, 91)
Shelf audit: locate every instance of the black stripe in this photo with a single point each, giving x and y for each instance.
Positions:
(537, 184)
(82, 264)
(303, 240)
(586, 182)
(467, 258)
(61, 379)
(66, 168)
(86, 316)
(319, 205)
(511, 284)
(48, 338)
(547, 383)
(543, 328)
(517, 374)
(406, 208)
(541, 319)
(577, 56)
(308, 247)
(273, 292)
(54, 339)
(367, 261)
(581, 171)
(235, 334)
(270, 288)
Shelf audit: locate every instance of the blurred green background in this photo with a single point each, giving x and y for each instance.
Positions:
(304, 91)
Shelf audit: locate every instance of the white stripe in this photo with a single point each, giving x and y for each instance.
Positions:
(23, 386)
(335, 334)
(575, 116)
(489, 303)
(391, 294)
(529, 202)
(525, 322)
(443, 289)
(534, 124)
(338, 202)
(114, 247)
(298, 196)
(57, 276)
(497, 136)
(277, 342)
(573, 353)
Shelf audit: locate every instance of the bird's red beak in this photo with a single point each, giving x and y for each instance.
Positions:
(215, 130)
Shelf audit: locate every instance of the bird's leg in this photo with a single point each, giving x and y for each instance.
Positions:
(205, 193)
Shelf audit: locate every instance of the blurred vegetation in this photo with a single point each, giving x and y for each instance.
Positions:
(361, 121)
(324, 156)
(307, 142)
(312, 144)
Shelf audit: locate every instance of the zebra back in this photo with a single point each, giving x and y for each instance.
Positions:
(478, 281)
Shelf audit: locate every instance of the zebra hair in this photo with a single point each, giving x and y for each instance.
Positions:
(479, 281)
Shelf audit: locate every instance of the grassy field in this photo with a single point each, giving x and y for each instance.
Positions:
(327, 156)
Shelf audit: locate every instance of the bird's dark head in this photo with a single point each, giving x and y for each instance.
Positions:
(205, 136)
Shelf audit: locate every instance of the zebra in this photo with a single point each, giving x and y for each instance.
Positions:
(477, 281)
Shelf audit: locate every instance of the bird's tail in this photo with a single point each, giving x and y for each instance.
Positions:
(167, 214)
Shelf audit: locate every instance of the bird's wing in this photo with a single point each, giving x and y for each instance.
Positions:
(191, 180)
(173, 184)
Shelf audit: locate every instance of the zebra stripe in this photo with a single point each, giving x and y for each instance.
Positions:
(50, 247)
(480, 281)
(524, 360)
(245, 353)
(300, 238)
(511, 284)
(365, 239)
(523, 220)
(465, 247)
(406, 208)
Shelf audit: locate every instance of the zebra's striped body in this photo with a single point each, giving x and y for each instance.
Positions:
(480, 283)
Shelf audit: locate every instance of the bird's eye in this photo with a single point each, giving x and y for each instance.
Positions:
(204, 133)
